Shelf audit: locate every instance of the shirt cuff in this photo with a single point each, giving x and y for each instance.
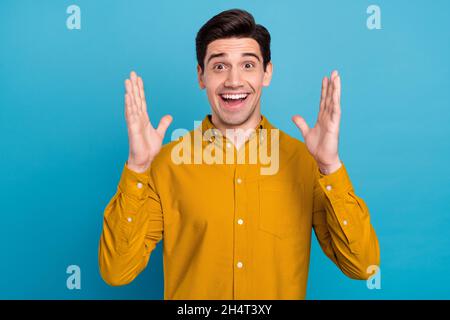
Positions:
(337, 184)
(134, 184)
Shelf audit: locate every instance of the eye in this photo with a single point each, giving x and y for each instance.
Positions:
(248, 65)
(219, 66)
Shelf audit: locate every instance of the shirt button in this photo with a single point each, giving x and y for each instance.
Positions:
(239, 180)
(328, 187)
(129, 219)
(345, 222)
(240, 265)
(240, 221)
(139, 185)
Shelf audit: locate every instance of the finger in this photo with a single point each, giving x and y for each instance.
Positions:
(134, 85)
(128, 109)
(323, 93)
(130, 94)
(164, 124)
(301, 124)
(128, 88)
(336, 91)
(327, 95)
(142, 94)
(334, 74)
(133, 76)
(336, 100)
(338, 88)
(135, 82)
(330, 90)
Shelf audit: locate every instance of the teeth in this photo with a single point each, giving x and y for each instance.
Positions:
(235, 96)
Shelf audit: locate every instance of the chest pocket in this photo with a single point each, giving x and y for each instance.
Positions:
(280, 207)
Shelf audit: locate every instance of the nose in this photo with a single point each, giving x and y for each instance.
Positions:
(233, 79)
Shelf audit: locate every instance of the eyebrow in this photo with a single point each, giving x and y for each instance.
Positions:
(222, 54)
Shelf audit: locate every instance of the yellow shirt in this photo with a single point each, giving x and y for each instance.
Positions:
(231, 232)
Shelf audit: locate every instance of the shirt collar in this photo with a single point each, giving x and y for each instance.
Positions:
(207, 124)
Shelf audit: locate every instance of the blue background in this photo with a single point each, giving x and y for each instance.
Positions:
(64, 140)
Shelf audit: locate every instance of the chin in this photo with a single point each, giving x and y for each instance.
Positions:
(235, 117)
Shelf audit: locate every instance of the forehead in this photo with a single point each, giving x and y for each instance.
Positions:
(233, 46)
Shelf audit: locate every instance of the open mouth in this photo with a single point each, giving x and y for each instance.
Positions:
(233, 100)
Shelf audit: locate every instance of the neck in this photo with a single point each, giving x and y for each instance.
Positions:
(238, 134)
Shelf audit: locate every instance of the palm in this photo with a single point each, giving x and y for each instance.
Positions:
(322, 139)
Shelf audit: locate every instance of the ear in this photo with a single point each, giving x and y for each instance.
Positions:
(200, 77)
(268, 74)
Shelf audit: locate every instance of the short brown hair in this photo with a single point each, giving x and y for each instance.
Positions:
(229, 24)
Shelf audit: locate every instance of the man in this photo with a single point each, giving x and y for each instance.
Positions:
(230, 231)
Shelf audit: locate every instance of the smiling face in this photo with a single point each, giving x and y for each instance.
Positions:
(233, 76)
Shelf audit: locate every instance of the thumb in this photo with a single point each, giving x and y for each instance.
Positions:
(301, 124)
(164, 123)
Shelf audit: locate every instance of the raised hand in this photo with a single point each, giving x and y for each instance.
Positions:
(145, 141)
(322, 140)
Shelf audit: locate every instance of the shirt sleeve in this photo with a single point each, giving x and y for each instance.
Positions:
(342, 225)
(132, 226)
